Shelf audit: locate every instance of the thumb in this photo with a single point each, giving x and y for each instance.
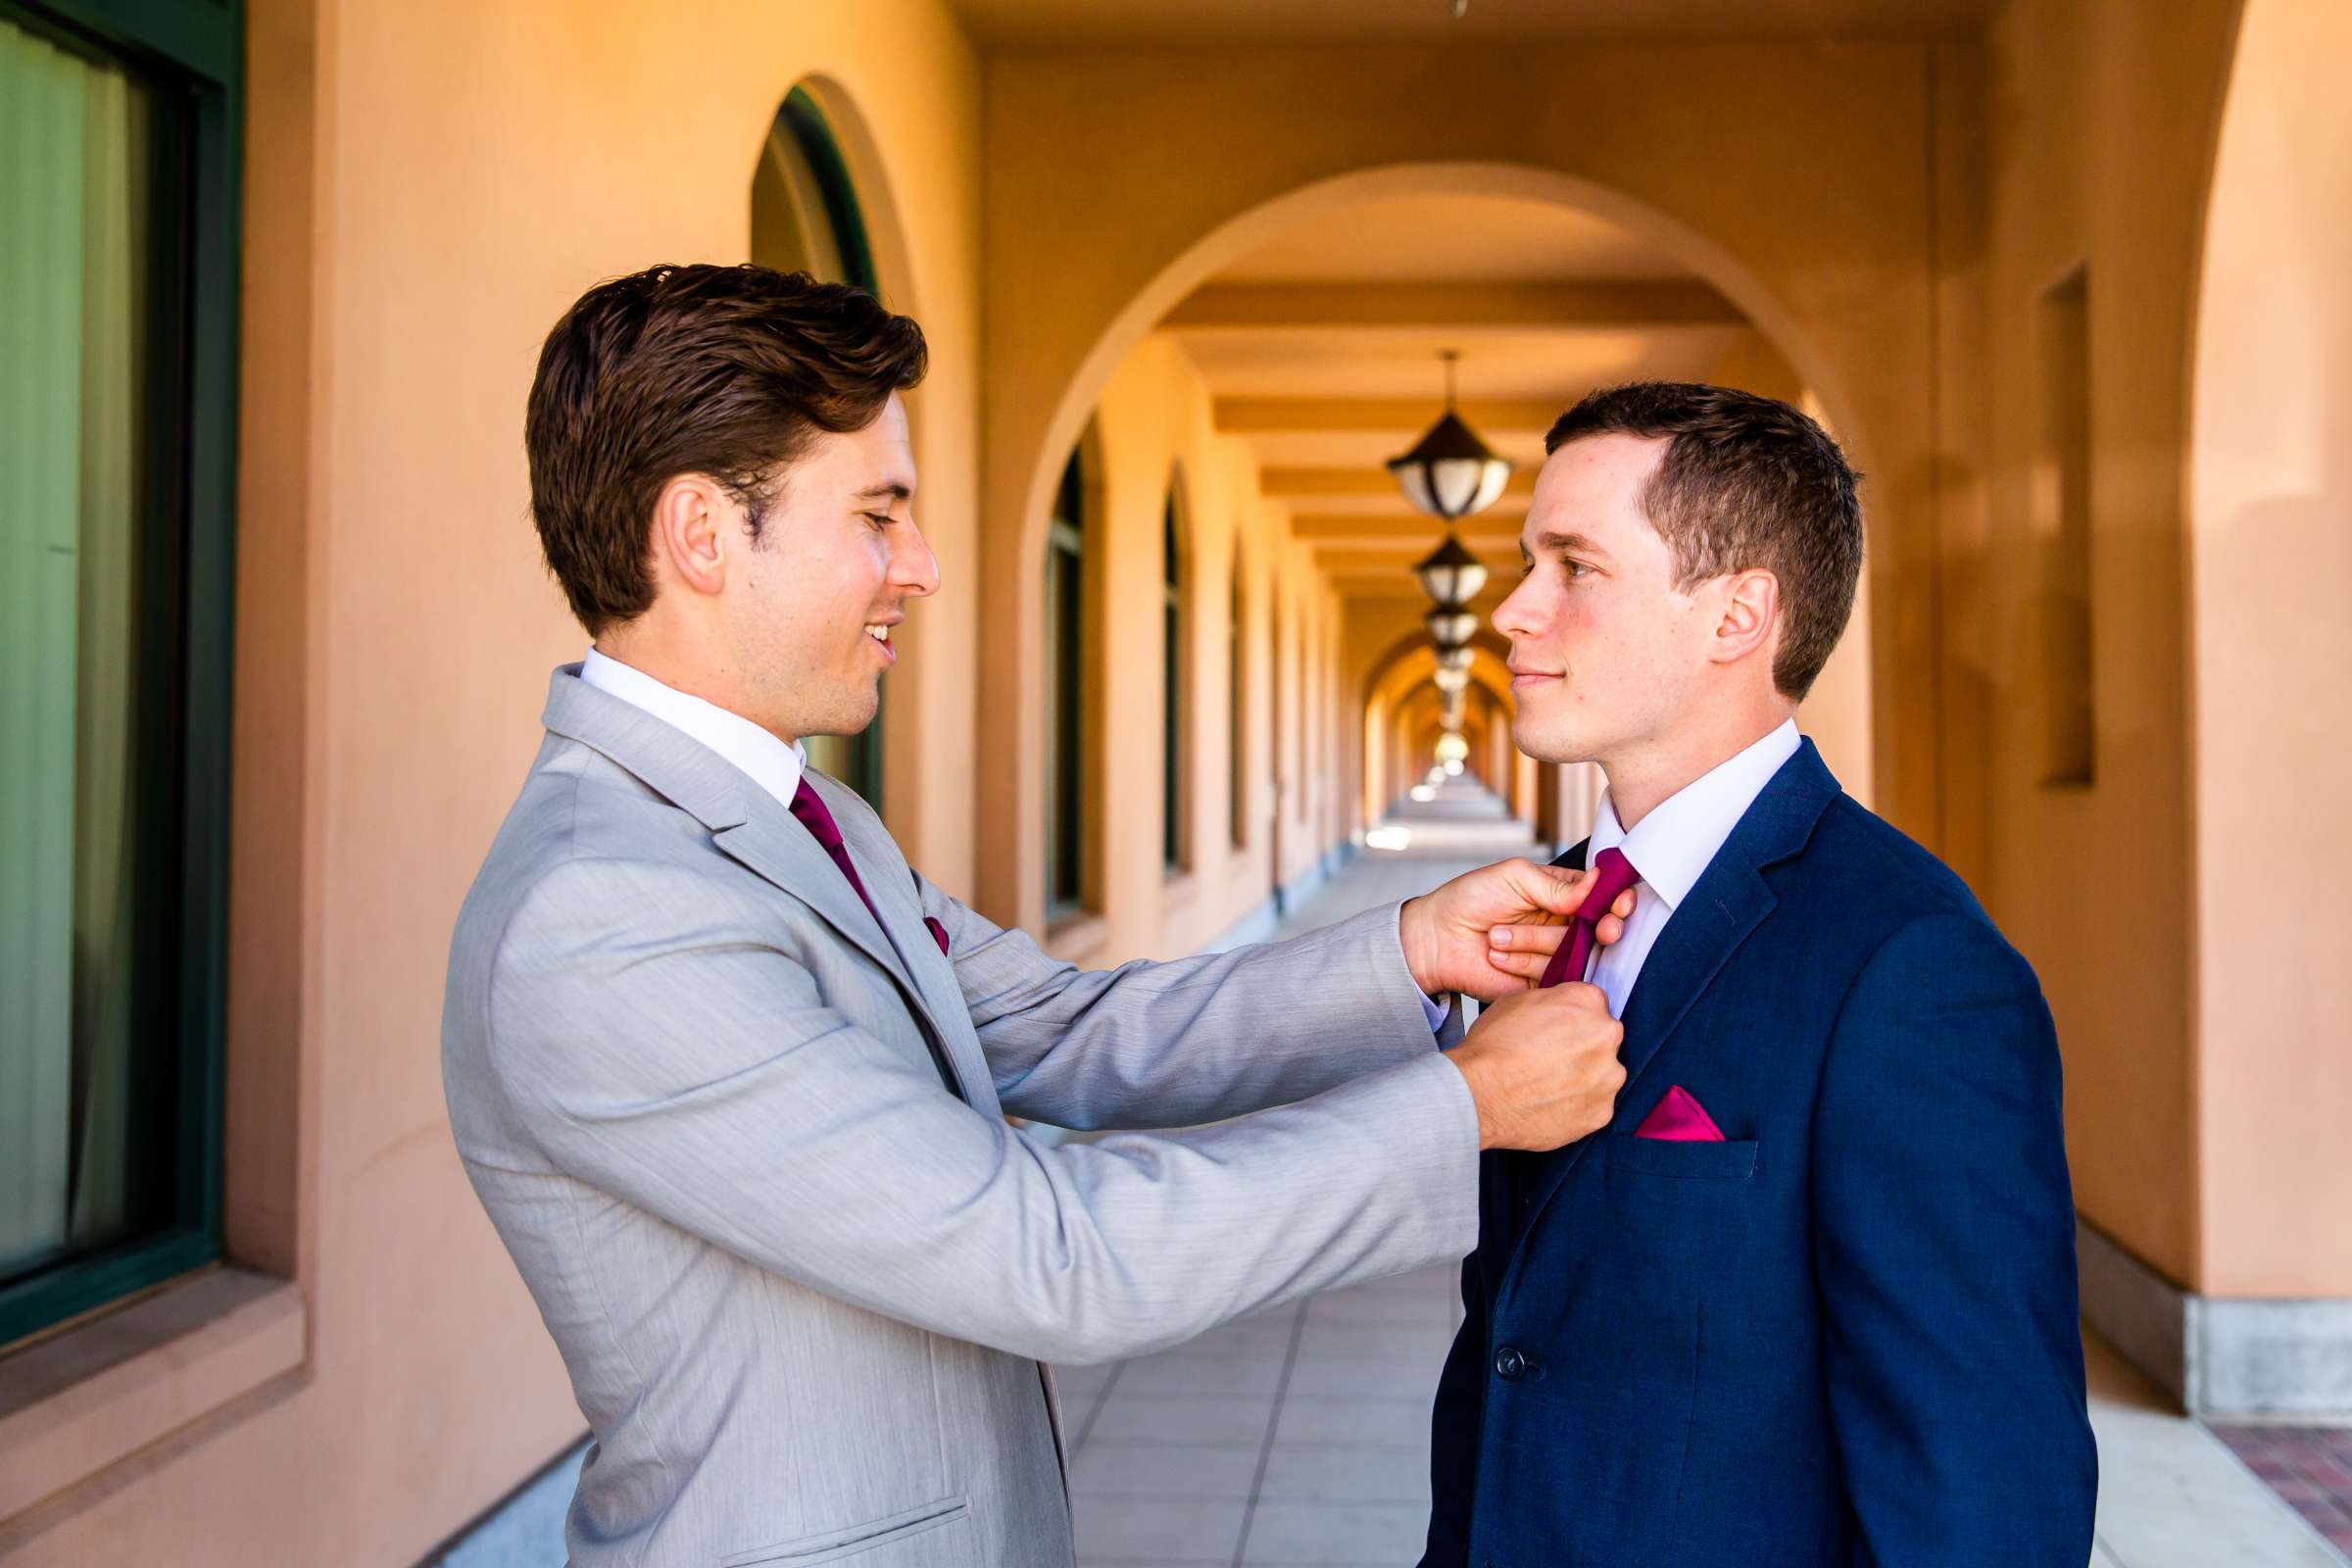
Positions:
(1554, 888)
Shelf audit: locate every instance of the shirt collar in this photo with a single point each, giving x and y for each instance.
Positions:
(773, 764)
(1675, 843)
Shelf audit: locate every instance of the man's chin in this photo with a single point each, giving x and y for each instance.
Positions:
(853, 717)
(1547, 746)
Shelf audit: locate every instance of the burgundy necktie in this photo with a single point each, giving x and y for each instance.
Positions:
(809, 808)
(1613, 874)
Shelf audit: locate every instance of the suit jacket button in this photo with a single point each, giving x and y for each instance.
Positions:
(1509, 1364)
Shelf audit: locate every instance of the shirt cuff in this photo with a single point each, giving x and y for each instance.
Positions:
(1433, 1010)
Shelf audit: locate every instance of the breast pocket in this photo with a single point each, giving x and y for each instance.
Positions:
(1684, 1161)
(934, 1534)
(1671, 1218)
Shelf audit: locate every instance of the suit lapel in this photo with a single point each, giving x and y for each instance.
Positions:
(745, 823)
(891, 885)
(1730, 899)
(781, 850)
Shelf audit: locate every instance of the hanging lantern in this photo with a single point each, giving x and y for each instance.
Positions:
(1452, 575)
(1453, 682)
(1455, 658)
(1450, 473)
(1451, 627)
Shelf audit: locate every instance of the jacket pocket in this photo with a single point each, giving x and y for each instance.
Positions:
(1692, 1161)
(834, 1545)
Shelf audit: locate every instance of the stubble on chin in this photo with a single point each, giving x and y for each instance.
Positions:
(1549, 744)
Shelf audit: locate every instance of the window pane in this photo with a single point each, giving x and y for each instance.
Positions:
(1171, 664)
(90, 616)
(1236, 732)
(1065, 653)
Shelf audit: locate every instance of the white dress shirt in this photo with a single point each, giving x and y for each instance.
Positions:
(773, 764)
(1673, 847)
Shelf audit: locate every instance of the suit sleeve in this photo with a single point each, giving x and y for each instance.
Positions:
(700, 1076)
(1193, 1039)
(1944, 1258)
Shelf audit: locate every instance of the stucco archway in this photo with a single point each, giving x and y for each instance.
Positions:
(1404, 669)
(1026, 459)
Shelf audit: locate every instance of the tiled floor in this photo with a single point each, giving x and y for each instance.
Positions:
(2311, 1467)
(1301, 1436)
(2172, 1496)
(1297, 1437)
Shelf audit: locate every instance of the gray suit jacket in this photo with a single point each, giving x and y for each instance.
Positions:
(747, 1147)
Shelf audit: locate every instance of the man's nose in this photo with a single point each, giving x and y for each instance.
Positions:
(1515, 615)
(914, 568)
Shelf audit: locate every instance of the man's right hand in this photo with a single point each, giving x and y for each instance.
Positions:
(1542, 1067)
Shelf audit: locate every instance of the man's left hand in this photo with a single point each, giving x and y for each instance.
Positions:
(1490, 932)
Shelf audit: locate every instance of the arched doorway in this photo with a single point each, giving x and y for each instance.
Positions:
(1013, 671)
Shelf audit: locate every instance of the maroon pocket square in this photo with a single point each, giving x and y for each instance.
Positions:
(1679, 1119)
(938, 933)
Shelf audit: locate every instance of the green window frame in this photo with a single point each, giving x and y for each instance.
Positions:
(1172, 716)
(187, 59)
(1236, 706)
(1065, 697)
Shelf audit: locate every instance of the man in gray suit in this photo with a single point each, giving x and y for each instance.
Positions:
(731, 1079)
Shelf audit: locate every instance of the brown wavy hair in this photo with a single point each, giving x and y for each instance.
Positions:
(725, 372)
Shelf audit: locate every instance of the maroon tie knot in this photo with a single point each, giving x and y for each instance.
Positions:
(1612, 874)
(809, 808)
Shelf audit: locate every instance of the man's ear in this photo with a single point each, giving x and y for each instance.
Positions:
(1751, 616)
(691, 540)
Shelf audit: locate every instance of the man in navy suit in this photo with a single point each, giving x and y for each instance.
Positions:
(1810, 1298)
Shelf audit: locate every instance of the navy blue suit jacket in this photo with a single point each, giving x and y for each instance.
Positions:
(1848, 1333)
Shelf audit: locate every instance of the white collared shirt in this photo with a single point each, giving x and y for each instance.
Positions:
(1673, 847)
(773, 764)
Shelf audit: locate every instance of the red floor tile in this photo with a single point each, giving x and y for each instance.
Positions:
(2310, 1468)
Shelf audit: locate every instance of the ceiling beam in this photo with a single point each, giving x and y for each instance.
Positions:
(1630, 304)
(1297, 484)
(1401, 417)
(1378, 553)
(1497, 526)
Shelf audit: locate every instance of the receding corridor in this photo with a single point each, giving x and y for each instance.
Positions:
(1301, 1436)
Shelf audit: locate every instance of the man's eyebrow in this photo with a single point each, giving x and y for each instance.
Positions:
(876, 492)
(1550, 543)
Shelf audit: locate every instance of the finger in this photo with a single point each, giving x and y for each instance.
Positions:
(1556, 888)
(1609, 929)
(1525, 938)
(1625, 903)
(1525, 968)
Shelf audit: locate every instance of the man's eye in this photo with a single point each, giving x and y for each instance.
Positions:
(880, 519)
(1577, 568)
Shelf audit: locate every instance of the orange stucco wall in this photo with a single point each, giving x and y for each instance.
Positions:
(2096, 123)
(2270, 552)
(1151, 428)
